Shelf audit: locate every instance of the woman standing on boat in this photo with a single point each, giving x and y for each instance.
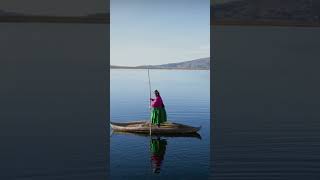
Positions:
(158, 113)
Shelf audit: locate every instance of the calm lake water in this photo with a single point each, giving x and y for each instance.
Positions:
(267, 103)
(53, 101)
(186, 95)
(53, 107)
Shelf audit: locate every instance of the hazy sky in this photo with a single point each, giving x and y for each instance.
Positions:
(159, 31)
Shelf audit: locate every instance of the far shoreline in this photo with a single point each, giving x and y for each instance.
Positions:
(56, 19)
(264, 23)
(184, 69)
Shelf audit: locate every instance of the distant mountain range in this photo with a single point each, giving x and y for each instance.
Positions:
(98, 18)
(197, 64)
(267, 11)
(6, 13)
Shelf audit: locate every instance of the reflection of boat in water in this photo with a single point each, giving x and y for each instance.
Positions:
(144, 127)
(158, 137)
(158, 145)
(158, 150)
(193, 135)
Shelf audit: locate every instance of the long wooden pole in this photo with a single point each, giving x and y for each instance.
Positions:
(150, 99)
(150, 118)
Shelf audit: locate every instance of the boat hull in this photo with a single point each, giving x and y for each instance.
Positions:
(144, 127)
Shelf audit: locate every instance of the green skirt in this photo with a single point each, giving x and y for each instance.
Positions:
(158, 115)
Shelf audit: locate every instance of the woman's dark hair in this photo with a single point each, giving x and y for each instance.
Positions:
(156, 92)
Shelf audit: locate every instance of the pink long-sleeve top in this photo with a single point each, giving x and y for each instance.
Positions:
(157, 102)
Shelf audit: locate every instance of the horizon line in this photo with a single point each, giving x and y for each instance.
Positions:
(159, 64)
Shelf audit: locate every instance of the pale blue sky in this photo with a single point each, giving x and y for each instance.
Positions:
(159, 31)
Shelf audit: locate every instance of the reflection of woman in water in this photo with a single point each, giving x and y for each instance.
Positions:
(158, 150)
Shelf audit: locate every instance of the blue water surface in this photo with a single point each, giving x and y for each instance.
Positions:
(186, 95)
